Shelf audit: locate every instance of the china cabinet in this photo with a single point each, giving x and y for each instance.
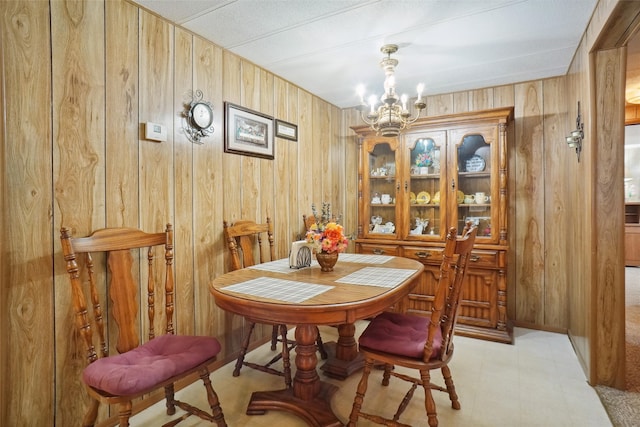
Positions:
(632, 234)
(441, 173)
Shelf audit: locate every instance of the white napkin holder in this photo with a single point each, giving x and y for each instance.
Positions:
(300, 255)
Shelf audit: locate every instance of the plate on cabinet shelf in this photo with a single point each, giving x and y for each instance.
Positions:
(475, 164)
(436, 198)
(412, 197)
(460, 197)
(423, 198)
(485, 153)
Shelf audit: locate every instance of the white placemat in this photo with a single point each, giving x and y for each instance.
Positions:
(283, 290)
(377, 276)
(278, 266)
(364, 259)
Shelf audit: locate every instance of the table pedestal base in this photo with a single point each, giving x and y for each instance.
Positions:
(337, 368)
(316, 412)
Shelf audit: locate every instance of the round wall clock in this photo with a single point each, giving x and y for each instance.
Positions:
(198, 119)
(201, 115)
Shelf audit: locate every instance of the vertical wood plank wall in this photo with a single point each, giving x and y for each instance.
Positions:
(75, 93)
(73, 154)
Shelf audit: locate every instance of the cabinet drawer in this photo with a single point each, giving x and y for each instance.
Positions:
(424, 255)
(485, 259)
(366, 248)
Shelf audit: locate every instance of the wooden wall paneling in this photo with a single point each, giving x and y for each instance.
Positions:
(183, 154)
(232, 180)
(121, 112)
(481, 99)
(266, 192)
(121, 152)
(321, 164)
(608, 155)
(156, 159)
(246, 178)
(460, 102)
(286, 232)
(555, 204)
(622, 21)
(79, 114)
(250, 166)
(577, 277)
(350, 117)
(252, 197)
(78, 91)
(309, 187)
(4, 270)
(27, 262)
(503, 96)
(209, 194)
(121, 35)
(231, 162)
(529, 203)
(439, 105)
(601, 13)
(292, 166)
(337, 159)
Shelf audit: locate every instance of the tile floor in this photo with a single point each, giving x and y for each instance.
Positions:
(535, 382)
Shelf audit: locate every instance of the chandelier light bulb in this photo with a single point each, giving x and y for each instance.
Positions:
(372, 102)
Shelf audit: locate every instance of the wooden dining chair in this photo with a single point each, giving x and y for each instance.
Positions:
(308, 221)
(416, 342)
(252, 243)
(128, 364)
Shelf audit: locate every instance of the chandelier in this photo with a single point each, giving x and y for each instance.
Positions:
(392, 115)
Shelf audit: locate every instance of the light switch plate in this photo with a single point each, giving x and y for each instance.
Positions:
(155, 132)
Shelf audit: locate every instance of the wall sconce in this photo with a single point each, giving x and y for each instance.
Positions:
(575, 139)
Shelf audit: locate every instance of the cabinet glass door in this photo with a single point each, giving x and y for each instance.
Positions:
(427, 164)
(382, 184)
(476, 184)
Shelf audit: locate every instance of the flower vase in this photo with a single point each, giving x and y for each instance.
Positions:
(327, 260)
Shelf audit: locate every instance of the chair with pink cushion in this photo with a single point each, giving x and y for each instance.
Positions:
(127, 364)
(415, 342)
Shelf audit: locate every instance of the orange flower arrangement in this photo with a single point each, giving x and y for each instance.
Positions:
(326, 235)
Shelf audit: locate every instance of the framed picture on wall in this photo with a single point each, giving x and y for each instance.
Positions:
(247, 132)
(286, 130)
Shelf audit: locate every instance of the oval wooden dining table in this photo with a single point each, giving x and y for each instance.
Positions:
(359, 287)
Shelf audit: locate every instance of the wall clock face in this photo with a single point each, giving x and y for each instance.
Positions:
(197, 118)
(202, 115)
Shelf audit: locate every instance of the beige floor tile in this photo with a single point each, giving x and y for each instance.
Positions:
(535, 382)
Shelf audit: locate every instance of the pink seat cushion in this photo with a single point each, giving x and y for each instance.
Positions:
(400, 334)
(155, 361)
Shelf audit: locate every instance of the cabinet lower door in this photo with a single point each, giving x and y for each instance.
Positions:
(478, 306)
(479, 315)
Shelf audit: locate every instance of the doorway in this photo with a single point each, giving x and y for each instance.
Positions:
(632, 215)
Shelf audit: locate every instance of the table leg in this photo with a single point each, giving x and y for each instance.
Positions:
(344, 358)
(309, 398)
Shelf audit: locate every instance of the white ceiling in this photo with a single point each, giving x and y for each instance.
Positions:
(329, 47)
